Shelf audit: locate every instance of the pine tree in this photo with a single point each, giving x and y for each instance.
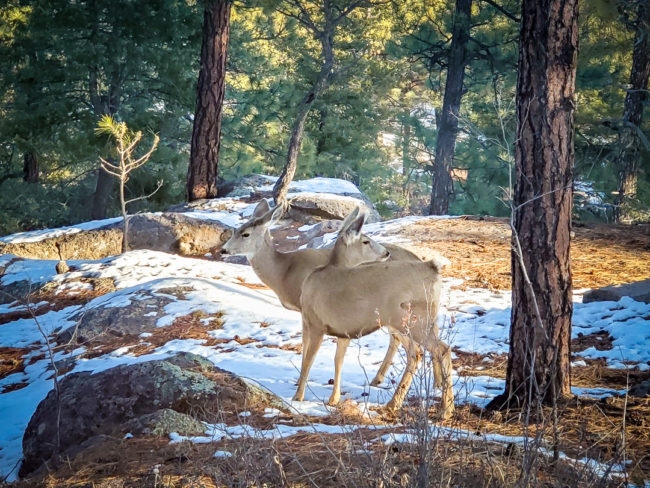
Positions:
(211, 87)
(540, 331)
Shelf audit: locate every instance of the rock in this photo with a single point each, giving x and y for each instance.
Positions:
(640, 389)
(314, 207)
(639, 291)
(163, 422)
(167, 232)
(175, 232)
(112, 401)
(100, 318)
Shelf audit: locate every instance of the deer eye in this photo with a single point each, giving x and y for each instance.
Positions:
(246, 235)
(366, 242)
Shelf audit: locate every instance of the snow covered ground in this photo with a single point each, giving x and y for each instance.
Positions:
(480, 325)
(474, 320)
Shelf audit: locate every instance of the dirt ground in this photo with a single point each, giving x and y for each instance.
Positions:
(479, 251)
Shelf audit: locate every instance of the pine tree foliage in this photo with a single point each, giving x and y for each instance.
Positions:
(65, 64)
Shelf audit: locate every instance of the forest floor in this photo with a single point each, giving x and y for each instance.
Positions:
(479, 251)
(474, 448)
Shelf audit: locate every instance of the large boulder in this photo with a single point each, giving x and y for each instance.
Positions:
(639, 291)
(314, 207)
(311, 201)
(167, 232)
(121, 313)
(135, 396)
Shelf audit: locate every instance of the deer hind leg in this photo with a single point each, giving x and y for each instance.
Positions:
(438, 370)
(341, 346)
(311, 341)
(414, 355)
(388, 360)
(441, 354)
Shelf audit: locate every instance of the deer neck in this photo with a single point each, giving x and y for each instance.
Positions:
(338, 257)
(269, 264)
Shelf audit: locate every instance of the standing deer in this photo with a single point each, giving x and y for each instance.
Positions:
(349, 302)
(284, 272)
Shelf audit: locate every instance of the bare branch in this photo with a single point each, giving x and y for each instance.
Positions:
(502, 10)
(160, 184)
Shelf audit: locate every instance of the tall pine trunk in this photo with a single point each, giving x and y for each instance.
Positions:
(281, 187)
(442, 185)
(538, 363)
(629, 155)
(206, 135)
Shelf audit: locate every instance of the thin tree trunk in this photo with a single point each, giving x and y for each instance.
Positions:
(125, 221)
(281, 187)
(540, 332)
(206, 135)
(442, 185)
(30, 168)
(628, 139)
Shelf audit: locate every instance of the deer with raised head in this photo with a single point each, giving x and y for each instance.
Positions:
(351, 301)
(284, 272)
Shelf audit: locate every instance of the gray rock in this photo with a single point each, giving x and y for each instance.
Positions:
(105, 402)
(639, 291)
(96, 320)
(311, 207)
(167, 232)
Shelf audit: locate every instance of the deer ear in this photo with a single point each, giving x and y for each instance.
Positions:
(349, 219)
(358, 222)
(261, 208)
(354, 222)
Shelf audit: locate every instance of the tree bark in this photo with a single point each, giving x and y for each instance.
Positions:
(442, 186)
(206, 135)
(540, 332)
(629, 155)
(102, 196)
(30, 168)
(281, 187)
(107, 103)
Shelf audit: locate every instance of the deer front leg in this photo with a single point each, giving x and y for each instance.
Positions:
(311, 341)
(341, 346)
(414, 355)
(388, 360)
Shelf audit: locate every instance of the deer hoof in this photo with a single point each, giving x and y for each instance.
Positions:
(333, 401)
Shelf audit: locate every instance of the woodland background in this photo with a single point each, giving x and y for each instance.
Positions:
(64, 64)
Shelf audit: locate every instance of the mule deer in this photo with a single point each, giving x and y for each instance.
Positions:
(350, 302)
(284, 272)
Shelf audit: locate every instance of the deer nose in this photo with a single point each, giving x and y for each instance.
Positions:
(224, 252)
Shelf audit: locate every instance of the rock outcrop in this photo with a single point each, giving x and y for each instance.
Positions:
(639, 291)
(167, 232)
(315, 207)
(99, 318)
(140, 396)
